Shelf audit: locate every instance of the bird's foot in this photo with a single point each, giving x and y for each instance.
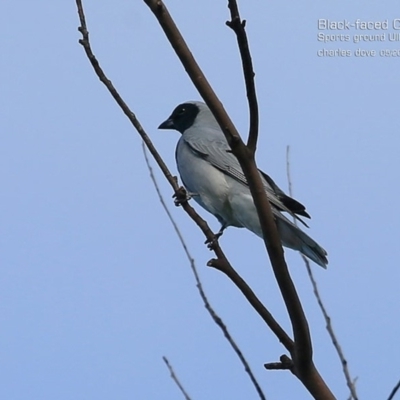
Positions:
(212, 242)
(181, 196)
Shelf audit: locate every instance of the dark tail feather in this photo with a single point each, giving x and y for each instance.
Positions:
(294, 238)
(316, 254)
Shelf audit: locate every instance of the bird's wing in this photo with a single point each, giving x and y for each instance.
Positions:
(217, 152)
(292, 204)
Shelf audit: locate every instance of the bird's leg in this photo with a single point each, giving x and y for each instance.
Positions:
(210, 243)
(182, 196)
(221, 231)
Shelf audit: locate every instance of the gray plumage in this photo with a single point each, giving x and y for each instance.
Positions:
(214, 178)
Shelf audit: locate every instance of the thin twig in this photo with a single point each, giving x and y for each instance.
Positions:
(394, 391)
(285, 364)
(216, 318)
(221, 263)
(238, 26)
(350, 383)
(175, 379)
(277, 366)
(354, 381)
(114, 93)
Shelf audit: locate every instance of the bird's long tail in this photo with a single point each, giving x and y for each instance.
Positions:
(291, 236)
(294, 238)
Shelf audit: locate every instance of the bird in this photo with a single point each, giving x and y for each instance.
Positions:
(213, 177)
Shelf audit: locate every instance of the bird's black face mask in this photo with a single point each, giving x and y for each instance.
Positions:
(181, 118)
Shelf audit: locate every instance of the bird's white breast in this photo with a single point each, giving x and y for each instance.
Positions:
(208, 184)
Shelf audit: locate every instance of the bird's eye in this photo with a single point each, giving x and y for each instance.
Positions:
(182, 111)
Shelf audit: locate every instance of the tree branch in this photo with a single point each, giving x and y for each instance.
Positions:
(394, 391)
(114, 93)
(285, 364)
(227, 269)
(302, 352)
(216, 318)
(175, 378)
(238, 27)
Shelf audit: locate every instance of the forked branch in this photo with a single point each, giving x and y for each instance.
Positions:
(238, 26)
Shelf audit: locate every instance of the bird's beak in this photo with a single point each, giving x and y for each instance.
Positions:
(167, 124)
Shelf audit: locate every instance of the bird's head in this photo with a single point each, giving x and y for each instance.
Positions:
(183, 116)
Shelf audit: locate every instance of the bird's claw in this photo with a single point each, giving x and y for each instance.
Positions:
(212, 242)
(181, 196)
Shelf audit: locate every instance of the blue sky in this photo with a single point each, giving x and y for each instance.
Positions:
(95, 287)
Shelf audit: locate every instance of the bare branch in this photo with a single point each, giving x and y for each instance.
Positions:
(238, 26)
(175, 379)
(114, 93)
(350, 383)
(354, 384)
(277, 366)
(254, 301)
(216, 318)
(285, 364)
(394, 391)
